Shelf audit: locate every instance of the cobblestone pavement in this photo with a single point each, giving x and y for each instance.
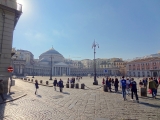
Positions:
(77, 104)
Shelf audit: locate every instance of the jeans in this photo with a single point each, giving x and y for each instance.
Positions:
(124, 92)
(116, 89)
(55, 87)
(60, 88)
(135, 93)
(128, 90)
(1, 94)
(154, 92)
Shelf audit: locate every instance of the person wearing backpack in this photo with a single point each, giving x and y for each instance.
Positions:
(123, 86)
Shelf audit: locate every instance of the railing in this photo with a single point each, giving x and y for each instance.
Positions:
(12, 4)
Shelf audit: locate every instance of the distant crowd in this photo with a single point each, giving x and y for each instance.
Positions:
(129, 85)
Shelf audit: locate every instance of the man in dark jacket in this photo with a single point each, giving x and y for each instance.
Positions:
(2, 90)
(60, 85)
(55, 83)
(134, 90)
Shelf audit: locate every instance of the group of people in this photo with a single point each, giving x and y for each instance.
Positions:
(55, 84)
(129, 86)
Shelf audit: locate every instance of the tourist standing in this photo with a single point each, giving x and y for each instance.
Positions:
(112, 82)
(140, 83)
(103, 81)
(55, 83)
(36, 86)
(123, 86)
(153, 87)
(145, 82)
(61, 85)
(109, 84)
(156, 81)
(134, 90)
(2, 90)
(116, 84)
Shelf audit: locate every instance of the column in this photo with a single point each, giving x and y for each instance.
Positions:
(69, 72)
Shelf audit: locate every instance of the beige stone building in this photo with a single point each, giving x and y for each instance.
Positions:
(10, 12)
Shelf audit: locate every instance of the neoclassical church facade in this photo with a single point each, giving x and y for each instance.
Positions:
(49, 61)
(52, 61)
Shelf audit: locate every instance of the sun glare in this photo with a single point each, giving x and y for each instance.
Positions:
(26, 7)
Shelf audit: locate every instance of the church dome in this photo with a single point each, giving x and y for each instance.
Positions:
(57, 57)
(51, 51)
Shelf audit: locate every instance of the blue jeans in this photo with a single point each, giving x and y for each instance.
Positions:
(124, 92)
(154, 92)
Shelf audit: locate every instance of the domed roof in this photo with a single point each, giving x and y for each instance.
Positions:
(51, 51)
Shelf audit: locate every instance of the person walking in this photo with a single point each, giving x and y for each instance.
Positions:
(61, 85)
(36, 85)
(55, 83)
(116, 84)
(123, 86)
(2, 90)
(128, 86)
(153, 87)
(134, 90)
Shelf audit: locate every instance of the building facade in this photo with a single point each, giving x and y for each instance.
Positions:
(49, 61)
(10, 12)
(144, 67)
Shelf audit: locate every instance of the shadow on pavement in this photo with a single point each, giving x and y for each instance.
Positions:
(150, 105)
(149, 98)
(39, 96)
(66, 93)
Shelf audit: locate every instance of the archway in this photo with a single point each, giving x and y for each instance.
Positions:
(154, 74)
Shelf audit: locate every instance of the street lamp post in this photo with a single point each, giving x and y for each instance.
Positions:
(51, 70)
(95, 76)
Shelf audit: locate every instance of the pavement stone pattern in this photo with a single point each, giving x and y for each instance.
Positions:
(77, 104)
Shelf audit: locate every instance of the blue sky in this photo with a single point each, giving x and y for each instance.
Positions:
(123, 28)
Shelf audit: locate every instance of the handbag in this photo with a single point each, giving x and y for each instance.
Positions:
(150, 91)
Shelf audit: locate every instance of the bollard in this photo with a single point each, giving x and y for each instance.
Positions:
(41, 81)
(77, 85)
(28, 79)
(105, 88)
(72, 85)
(32, 80)
(143, 91)
(67, 85)
(21, 78)
(82, 86)
(46, 82)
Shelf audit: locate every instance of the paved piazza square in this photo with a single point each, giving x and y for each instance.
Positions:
(77, 104)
